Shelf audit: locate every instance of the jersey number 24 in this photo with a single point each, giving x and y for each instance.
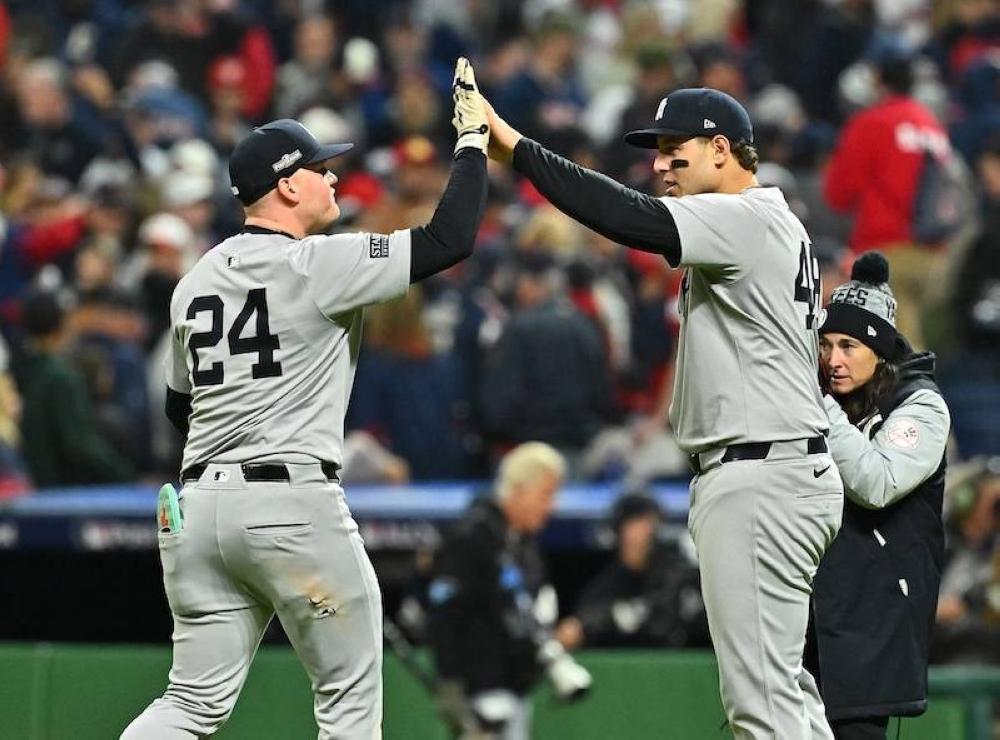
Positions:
(262, 342)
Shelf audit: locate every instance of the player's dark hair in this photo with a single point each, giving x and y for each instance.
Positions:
(863, 402)
(746, 155)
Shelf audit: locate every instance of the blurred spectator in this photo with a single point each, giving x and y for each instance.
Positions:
(967, 31)
(303, 79)
(416, 181)
(720, 66)
(546, 98)
(547, 378)
(191, 197)
(820, 45)
(406, 90)
(976, 118)
(415, 107)
(405, 395)
(108, 223)
(190, 35)
(548, 230)
(976, 288)
(970, 378)
(43, 224)
(648, 596)
(166, 250)
(62, 444)
(875, 173)
(110, 332)
(62, 131)
(227, 101)
(968, 612)
(619, 109)
(157, 113)
(13, 470)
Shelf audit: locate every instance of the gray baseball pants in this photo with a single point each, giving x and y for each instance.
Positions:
(250, 550)
(760, 528)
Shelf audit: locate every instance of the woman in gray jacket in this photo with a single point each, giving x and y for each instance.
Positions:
(875, 593)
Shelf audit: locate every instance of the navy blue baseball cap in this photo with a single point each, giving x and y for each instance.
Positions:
(273, 151)
(695, 111)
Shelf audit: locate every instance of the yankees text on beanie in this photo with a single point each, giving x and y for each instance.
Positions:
(865, 307)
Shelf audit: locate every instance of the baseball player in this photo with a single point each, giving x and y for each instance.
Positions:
(265, 336)
(766, 500)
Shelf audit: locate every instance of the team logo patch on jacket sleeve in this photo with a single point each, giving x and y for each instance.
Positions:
(903, 433)
(378, 245)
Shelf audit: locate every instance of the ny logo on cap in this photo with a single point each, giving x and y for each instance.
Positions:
(287, 160)
(659, 111)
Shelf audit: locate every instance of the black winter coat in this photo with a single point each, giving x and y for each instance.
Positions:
(870, 638)
(482, 630)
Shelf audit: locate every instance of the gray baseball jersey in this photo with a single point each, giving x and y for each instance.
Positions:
(266, 334)
(749, 310)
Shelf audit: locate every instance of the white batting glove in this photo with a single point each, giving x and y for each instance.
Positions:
(470, 114)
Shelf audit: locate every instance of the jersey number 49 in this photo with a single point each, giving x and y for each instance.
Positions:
(807, 284)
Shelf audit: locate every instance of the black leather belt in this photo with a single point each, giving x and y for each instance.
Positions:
(755, 451)
(255, 472)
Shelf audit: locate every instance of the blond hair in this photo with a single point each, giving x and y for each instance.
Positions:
(525, 463)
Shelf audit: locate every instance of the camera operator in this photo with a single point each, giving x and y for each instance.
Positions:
(647, 596)
(489, 646)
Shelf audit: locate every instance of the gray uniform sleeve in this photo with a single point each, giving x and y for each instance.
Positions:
(901, 455)
(718, 234)
(348, 271)
(175, 363)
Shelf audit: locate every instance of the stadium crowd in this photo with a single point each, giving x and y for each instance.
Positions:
(118, 117)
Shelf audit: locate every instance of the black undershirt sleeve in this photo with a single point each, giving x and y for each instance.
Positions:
(622, 214)
(178, 410)
(451, 233)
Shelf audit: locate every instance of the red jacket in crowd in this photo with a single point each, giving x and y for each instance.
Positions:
(876, 166)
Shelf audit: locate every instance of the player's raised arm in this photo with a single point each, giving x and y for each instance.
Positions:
(451, 233)
(622, 214)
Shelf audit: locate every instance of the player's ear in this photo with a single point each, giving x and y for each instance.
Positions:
(287, 189)
(720, 150)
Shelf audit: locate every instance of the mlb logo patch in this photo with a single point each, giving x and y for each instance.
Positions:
(378, 245)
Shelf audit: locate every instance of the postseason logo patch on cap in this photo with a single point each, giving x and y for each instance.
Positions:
(287, 160)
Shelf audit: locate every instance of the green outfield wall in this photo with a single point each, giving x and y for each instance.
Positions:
(88, 692)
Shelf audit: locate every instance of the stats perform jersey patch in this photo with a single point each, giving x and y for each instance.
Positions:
(903, 433)
(378, 245)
